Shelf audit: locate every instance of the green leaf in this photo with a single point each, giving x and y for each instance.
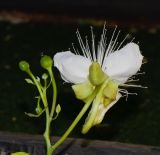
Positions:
(34, 115)
(20, 153)
(38, 79)
(29, 81)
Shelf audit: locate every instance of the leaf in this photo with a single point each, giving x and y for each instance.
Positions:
(35, 115)
(37, 78)
(20, 153)
(29, 81)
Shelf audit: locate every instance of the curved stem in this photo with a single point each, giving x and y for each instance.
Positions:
(44, 99)
(47, 129)
(54, 93)
(72, 126)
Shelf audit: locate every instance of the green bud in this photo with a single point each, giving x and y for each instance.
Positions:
(24, 66)
(46, 62)
(58, 109)
(44, 76)
(96, 75)
(38, 109)
(83, 90)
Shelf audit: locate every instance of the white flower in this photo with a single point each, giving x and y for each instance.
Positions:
(118, 63)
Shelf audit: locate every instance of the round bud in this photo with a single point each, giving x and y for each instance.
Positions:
(24, 66)
(44, 76)
(46, 62)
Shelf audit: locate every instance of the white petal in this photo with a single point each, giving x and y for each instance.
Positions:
(122, 64)
(73, 68)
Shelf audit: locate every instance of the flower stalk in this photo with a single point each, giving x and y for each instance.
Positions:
(46, 63)
(75, 122)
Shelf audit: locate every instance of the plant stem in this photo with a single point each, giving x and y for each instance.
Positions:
(47, 129)
(74, 123)
(54, 93)
(48, 121)
(49, 116)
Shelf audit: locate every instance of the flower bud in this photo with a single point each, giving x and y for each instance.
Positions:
(24, 66)
(44, 76)
(83, 90)
(96, 75)
(38, 109)
(46, 62)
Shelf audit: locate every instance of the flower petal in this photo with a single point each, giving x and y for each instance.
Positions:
(73, 68)
(122, 64)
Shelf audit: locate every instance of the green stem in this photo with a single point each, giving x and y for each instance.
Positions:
(47, 129)
(72, 126)
(44, 99)
(54, 93)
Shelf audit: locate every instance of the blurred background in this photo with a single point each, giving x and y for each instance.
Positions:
(30, 29)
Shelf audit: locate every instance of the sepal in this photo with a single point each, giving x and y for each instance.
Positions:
(83, 90)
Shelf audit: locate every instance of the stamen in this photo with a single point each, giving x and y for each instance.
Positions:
(131, 85)
(115, 47)
(132, 39)
(132, 80)
(93, 44)
(122, 42)
(75, 51)
(88, 52)
(102, 46)
(141, 73)
(126, 93)
(114, 43)
(110, 46)
(111, 40)
(81, 44)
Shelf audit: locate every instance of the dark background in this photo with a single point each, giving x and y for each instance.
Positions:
(112, 9)
(29, 29)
